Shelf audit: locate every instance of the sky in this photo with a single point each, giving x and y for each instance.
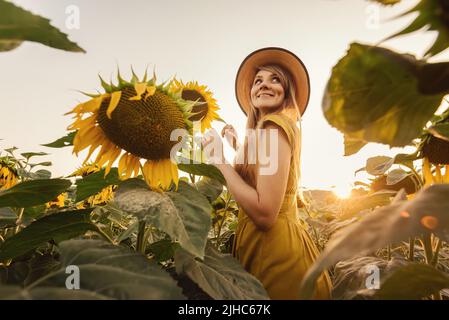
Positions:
(203, 40)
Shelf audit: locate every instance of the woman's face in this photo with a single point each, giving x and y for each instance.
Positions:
(267, 92)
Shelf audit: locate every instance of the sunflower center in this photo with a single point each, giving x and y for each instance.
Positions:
(436, 150)
(200, 110)
(142, 127)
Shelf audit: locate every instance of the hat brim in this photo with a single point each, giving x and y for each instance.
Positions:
(266, 56)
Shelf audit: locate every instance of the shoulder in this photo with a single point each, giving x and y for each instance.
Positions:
(282, 122)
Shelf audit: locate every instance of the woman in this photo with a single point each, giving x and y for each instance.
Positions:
(272, 88)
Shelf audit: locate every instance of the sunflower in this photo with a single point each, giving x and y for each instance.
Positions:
(435, 153)
(8, 175)
(133, 121)
(101, 197)
(206, 107)
(59, 202)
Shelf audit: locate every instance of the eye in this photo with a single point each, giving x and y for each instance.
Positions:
(257, 81)
(276, 79)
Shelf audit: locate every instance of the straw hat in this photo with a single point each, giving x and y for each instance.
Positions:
(272, 55)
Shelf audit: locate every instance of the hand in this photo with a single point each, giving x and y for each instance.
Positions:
(230, 134)
(213, 147)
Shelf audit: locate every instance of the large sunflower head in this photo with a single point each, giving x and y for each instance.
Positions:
(130, 122)
(8, 174)
(206, 106)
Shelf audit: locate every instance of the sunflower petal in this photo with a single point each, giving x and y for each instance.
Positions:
(446, 174)
(150, 90)
(427, 172)
(115, 99)
(140, 88)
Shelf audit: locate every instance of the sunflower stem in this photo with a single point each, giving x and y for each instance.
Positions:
(411, 252)
(436, 253)
(140, 246)
(427, 244)
(223, 219)
(105, 235)
(19, 220)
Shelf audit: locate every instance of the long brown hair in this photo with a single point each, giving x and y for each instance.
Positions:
(249, 171)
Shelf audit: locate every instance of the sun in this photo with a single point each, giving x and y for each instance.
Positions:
(342, 191)
(132, 122)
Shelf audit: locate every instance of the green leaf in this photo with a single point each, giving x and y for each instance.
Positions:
(28, 155)
(95, 182)
(397, 222)
(184, 215)
(7, 45)
(432, 15)
(377, 166)
(38, 175)
(210, 188)
(406, 159)
(106, 272)
(412, 282)
(396, 176)
(373, 96)
(201, 169)
(220, 275)
(349, 276)
(32, 193)
(387, 2)
(57, 227)
(352, 146)
(163, 250)
(7, 217)
(440, 130)
(434, 78)
(44, 164)
(17, 24)
(62, 142)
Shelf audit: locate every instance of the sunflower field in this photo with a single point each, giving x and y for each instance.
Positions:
(136, 225)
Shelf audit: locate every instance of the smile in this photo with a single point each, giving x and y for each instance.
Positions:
(265, 94)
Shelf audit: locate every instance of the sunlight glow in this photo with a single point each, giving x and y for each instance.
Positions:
(342, 191)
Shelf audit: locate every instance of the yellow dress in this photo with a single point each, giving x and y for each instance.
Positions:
(281, 256)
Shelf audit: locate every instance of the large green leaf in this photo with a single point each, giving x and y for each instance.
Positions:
(201, 169)
(219, 275)
(184, 215)
(401, 220)
(373, 96)
(349, 276)
(32, 193)
(17, 25)
(434, 78)
(57, 227)
(106, 272)
(412, 282)
(7, 217)
(94, 183)
(352, 145)
(62, 142)
(432, 15)
(211, 188)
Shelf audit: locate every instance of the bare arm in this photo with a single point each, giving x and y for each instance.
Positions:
(262, 204)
